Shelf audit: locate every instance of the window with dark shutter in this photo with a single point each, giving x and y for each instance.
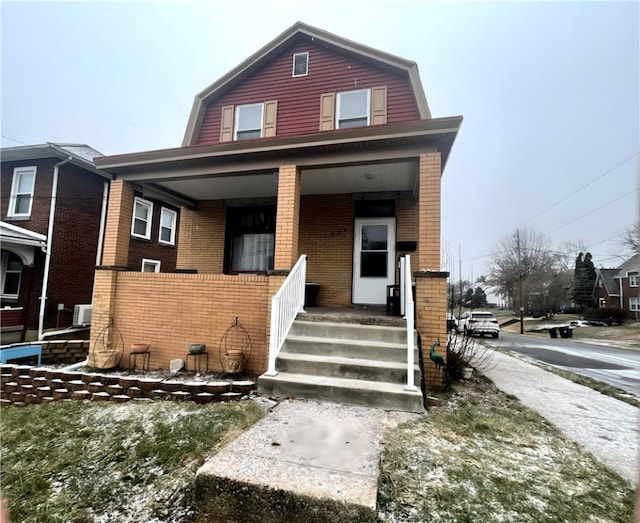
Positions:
(300, 64)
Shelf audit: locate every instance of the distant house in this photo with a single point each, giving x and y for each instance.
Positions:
(620, 287)
(314, 148)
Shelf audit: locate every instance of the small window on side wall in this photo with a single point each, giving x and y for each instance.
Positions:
(168, 219)
(300, 64)
(141, 223)
(150, 265)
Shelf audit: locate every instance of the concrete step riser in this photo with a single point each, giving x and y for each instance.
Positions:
(345, 370)
(347, 331)
(333, 348)
(352, 396)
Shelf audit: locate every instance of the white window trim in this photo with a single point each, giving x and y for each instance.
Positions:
(142, 201)
(602, 303)
(634, 304)
(174, 215)
(293, 65)
(237, 119)
(633, 280)
(339, 99)
(11, 212)
(154, 263)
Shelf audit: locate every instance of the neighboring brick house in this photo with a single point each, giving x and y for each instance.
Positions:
(77, 229)
(620, 287)
(314, 145)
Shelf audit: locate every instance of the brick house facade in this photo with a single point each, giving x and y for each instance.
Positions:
(620, 287)
(26, 181)
(314, 145)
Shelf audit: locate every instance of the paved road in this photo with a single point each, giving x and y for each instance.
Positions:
(617, 367)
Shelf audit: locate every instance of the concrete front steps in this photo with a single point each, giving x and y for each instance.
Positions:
(347, 363)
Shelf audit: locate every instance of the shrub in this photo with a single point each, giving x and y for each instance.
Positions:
(463, 351)
(609, 315)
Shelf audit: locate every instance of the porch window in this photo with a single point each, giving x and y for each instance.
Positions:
(352, 109)
(168, 219)
(141, 224)
(248, 121)
(22, 186)
(633, 279)
(150, 265)
(634, 304)
(11, 275)
(250, 239)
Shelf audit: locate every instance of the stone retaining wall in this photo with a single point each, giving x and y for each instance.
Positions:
(59, 351)
(25, 385)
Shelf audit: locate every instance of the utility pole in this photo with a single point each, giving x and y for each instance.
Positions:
(520, 283)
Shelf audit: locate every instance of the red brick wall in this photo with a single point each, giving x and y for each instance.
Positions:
(299, 98)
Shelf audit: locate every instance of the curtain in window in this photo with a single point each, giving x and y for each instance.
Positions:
(252, 252)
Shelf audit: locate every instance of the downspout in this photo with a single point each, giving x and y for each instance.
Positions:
(47, 259)
(103, 221)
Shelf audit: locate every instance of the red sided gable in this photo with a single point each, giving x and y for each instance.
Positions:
(330, 70)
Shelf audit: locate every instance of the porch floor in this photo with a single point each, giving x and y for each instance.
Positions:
(360, 315)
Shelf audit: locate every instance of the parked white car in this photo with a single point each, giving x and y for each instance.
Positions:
(479, 323)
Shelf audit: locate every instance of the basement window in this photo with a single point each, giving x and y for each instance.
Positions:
(300, 64)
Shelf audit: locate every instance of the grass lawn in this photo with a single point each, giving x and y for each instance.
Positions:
(482, 456)
(83, 462)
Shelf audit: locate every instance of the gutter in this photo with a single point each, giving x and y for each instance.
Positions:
(47, 260)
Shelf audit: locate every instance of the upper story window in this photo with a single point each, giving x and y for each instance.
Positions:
(633, 279)
(168, 219)
(352, 108)
(22, 186)
(141, 223)
(248, 121)
(300, 64)
(244, 122)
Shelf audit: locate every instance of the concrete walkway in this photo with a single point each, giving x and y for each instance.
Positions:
(606, 427)
(304, 461)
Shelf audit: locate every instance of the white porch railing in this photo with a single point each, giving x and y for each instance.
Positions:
(285, 305)
(409, 306)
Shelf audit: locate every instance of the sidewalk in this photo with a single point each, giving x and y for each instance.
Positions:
(607, 428)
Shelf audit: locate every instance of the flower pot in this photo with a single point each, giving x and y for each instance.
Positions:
(139, 347)
(467, 372)
(233, 362)
(196, 348)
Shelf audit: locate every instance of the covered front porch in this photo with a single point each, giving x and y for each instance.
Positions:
(246, 217)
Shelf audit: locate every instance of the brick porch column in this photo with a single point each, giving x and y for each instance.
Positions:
(431, 283)
(115, 258)
(287, 218)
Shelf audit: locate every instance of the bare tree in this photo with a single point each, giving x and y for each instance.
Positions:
(631, 238)
(523, 260)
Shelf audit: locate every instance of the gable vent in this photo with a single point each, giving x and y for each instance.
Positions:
(300, 64)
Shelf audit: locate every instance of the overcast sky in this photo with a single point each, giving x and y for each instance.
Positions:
(548, 91)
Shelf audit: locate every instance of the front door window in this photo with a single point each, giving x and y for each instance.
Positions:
(373, 253)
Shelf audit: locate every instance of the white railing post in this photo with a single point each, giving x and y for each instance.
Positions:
(409, 316)
(285, 306)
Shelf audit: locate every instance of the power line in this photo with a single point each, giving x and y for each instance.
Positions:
(595, 210)
(581, 188)
(12, 139)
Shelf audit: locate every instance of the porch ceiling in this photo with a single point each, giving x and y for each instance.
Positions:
(343, 179)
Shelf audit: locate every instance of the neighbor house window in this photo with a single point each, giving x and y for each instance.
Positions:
(248, 121)
(21, 198)
(168, 219)
(142, 213)
(11, 273)
(602, 303)
(250, 239)
(633, 279)
(352, 108)
(634, 304)
(300, 64)
(150, 265)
